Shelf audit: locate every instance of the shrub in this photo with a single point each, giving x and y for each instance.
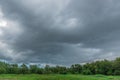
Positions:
(86, 72)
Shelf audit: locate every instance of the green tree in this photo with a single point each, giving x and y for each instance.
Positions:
(24, 69)
(33, 69)
(75, 69)
(13, 69)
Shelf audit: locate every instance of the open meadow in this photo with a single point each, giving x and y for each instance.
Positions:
(56, 77)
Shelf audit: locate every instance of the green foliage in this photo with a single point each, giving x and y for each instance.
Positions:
(2, 70)
(23, 69)
(103, 67)
(13, 68)
(33, 68)
(86, 72)
(76, 69)
(116, 72)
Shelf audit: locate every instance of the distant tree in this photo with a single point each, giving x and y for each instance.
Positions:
(2, 70)
(86, 72)
(24, 69)
(13, 69)
(47, 69)
(3, 67)
(76, 69)
(61, 70)
(33, 69)
(116, 66)
(40, 71)
(103, 67)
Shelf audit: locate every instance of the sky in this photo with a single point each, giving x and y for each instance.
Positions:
(60, 32)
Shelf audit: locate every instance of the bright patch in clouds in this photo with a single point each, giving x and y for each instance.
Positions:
(3, 23)
(1, 32)
(71, 23)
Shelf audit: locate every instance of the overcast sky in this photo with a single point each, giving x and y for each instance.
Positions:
(60, 32)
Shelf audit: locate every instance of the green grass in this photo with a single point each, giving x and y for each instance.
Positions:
(56, 77)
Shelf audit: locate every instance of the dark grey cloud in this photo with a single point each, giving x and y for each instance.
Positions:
(59, 32)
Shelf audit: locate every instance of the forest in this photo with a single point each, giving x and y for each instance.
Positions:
(104, 67)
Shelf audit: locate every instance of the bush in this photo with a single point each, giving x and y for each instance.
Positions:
(86, 72)
(117, 72)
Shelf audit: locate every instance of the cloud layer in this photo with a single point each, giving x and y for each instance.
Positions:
(59, 32)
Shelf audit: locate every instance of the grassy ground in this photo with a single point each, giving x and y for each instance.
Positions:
(56, 77)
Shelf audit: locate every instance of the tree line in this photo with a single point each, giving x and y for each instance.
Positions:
(104, 67)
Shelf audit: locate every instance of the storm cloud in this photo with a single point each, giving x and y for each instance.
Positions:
(60, 32)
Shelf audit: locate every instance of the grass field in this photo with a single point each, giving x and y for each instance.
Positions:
(56, 77)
